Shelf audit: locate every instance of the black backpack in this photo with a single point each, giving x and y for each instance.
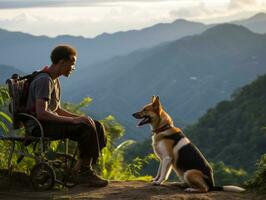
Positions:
(18, 88)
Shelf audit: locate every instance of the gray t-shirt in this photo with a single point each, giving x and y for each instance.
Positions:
(43, 87)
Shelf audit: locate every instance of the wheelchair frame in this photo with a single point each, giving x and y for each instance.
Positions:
(43, 176)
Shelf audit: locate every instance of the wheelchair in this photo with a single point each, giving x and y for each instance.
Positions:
(51, 167)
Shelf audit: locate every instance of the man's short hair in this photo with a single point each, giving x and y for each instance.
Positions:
(62, 52)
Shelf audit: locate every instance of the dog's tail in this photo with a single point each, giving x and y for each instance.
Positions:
(229, 188)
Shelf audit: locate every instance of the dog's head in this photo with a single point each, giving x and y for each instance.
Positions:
(153, 114)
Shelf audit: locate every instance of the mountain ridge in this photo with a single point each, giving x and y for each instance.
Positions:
(91, 50)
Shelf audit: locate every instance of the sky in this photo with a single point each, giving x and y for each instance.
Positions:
(90, 18)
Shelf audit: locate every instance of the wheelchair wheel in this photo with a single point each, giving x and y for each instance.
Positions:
(42, 177)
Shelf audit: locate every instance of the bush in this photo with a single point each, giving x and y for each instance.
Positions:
(258, 180)
(225, 175)
(112, 164)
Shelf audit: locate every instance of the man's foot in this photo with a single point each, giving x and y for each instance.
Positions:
(88, 177)
(95, 181)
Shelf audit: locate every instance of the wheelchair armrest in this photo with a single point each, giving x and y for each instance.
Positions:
(27, 116)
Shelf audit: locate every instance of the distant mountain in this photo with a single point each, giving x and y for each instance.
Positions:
(30, 52)
(7, 71)
(234, 131)
(256, 23)
(191, 75)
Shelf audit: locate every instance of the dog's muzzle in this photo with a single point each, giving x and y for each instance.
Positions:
(145, 119)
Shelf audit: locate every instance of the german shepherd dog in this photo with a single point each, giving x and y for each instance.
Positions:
(175, 151)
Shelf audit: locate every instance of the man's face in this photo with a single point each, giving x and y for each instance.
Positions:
(68, 66)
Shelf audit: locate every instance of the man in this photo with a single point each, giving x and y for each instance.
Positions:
(44, 102)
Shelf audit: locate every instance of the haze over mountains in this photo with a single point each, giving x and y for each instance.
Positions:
(255, 23)
(28, 52)
(32, 52)
(190, 73)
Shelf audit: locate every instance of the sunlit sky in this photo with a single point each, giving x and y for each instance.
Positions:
(90, 18)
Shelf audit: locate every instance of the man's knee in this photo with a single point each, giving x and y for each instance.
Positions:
(85, 130)
(101, 133)
(83, 127)
(99, 127)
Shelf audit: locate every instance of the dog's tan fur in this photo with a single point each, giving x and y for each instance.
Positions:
(166, 151)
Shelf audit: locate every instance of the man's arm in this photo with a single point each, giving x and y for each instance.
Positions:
(63, 112)
(43, 114)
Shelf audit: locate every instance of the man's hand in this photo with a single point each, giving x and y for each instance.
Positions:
(84, 119)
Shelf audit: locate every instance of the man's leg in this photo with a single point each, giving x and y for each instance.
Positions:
(100, 139)
(84, 164)
(85, 135)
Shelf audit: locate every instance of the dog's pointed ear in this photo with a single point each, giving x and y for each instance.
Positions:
(157, 107)
(153, 98)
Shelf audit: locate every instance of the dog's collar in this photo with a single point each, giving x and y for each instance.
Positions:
(161, 129)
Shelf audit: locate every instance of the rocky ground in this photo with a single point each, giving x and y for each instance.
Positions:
(20, 189)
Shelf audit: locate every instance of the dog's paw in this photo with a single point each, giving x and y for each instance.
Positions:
(154, 179)
(156, 183)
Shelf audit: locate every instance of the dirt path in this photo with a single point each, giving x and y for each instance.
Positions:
(132, 190)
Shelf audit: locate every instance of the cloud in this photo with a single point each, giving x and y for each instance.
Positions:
(86, 21)
(52, 18)
(26, 4)
(236, 4)
(4, 4)
(226, 11)
(192, 11)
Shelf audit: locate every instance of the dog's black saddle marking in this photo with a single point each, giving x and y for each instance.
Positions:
(176, 137)
(191, 158)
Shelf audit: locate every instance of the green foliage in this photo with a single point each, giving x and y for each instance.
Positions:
(3, 155)
(113, 128)
(25, 165)
(4, 118)
(112, 163)
(143, 150)
(137, 165)
(258, 180)
(224, 175)
(4, 96)
(77, 108)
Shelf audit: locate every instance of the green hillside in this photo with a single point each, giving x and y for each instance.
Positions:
(235, 131)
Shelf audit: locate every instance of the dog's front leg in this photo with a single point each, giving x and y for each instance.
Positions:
(165, 170)
(158, 173)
